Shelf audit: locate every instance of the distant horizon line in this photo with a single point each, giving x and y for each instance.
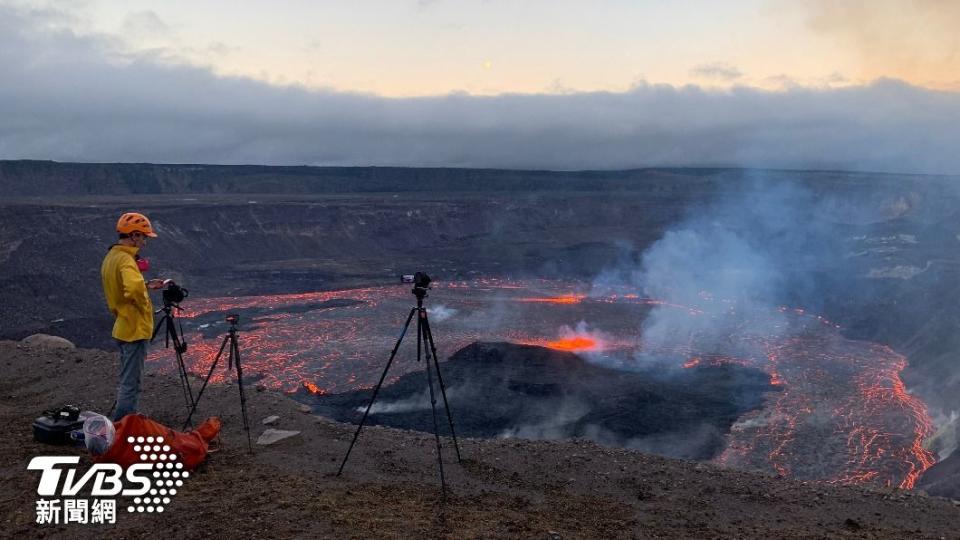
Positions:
(497, 169)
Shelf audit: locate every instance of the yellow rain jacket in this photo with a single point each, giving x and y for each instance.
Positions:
(126, 294)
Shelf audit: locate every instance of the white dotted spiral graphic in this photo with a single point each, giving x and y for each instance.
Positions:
(168, 474)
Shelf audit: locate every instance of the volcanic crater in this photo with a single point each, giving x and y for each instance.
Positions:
(308, 255)
(783, 392)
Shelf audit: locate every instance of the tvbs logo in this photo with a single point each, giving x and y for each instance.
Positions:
(107, 477)
(151, 483)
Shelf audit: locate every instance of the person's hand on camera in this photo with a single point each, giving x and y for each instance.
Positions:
(155, 284)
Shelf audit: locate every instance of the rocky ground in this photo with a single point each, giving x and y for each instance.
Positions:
(503, 488)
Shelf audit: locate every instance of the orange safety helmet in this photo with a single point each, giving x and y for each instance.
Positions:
(132, 222)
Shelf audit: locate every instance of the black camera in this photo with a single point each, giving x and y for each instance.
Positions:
(233, 318)
(173, 294)
(420, 280)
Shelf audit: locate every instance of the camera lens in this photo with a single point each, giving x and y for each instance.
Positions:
(421, 280)
(174, 294)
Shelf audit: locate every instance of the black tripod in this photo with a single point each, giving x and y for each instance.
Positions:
(169, 322)
(424, 343)
(233, 360)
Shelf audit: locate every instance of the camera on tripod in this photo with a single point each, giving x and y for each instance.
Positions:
(173, 294)
(420, 280)
(231, 347)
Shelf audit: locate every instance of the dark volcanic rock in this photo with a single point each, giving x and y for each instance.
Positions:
(498, 389)
(943, 479)
(30, 178)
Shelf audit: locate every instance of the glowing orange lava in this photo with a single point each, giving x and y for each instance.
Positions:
(313, 388)
(573, 343)
(848, 396)
(565, 299)
(840, 412)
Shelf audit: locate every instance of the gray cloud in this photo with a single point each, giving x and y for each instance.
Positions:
(146, 23)
(75, 97)
(717, 70)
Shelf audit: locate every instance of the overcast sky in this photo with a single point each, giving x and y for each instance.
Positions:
(559, 84)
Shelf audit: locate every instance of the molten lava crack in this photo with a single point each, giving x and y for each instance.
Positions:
(840, 413)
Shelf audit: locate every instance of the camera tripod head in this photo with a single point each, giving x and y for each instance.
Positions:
(421, 283)
(173, 294)
(420, 293)
(233, 320)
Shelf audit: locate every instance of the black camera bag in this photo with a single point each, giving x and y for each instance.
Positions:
(55, 425)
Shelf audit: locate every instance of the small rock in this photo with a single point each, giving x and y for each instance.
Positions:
(270, 420)
(272, 436)
(261, 387)
(305, 409)
(852, 524)
(45, 341)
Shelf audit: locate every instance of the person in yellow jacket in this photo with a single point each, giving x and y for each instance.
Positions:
(128, 300)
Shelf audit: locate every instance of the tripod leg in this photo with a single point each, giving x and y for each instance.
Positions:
(443, 390)
(184, 374)
(235, 352)
(422, 335)
(171, 335)
(157, 327)
(376, 390)
(206, 381)
(181, 348)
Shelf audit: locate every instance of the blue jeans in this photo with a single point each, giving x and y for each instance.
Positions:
(131, 376)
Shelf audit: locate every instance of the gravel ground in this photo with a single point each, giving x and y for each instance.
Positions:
(390, 488)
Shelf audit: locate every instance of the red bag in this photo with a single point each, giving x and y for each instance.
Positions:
(190, 447)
